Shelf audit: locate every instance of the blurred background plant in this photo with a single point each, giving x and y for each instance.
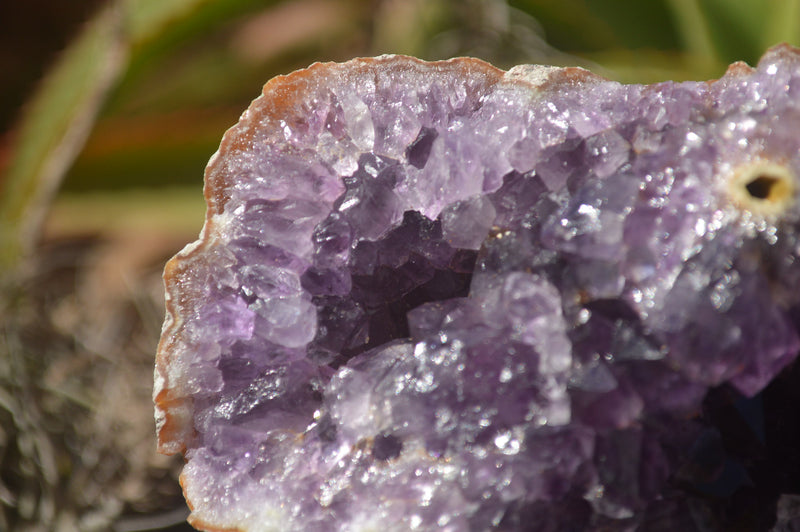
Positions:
(110, 110)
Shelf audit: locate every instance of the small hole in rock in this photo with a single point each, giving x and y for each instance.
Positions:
(386, 447)
(762, 186)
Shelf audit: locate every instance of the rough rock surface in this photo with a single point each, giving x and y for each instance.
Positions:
(438, 296)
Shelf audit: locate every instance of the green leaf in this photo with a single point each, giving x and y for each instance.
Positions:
(638, 25)
(694, 28)
(737, 27)
(652, 66)
(783, 23)
(61, 113)
(146, 19)
(571, 25)
(166, 211)
(54, 128)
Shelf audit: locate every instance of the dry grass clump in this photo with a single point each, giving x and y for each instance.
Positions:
(77, 338)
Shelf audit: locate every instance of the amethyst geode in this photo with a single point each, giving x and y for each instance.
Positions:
(439, 296)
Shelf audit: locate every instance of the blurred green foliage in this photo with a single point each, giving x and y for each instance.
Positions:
(144, 93)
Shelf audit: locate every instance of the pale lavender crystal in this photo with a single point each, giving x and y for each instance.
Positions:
(437, 296)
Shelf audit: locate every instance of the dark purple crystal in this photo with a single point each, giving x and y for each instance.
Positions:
(437, 296)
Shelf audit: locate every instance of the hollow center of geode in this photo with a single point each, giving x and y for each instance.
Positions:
(374, 261)
(410, 265)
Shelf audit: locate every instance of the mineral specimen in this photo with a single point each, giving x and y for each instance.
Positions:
(438, 296)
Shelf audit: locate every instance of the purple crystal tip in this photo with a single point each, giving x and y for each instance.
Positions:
(439, 296)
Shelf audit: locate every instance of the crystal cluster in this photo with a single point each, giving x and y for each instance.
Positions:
(440, 296)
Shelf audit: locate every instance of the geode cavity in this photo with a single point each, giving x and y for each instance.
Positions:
(439, 296)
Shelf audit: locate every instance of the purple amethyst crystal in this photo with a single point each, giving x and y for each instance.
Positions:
(438, 296)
